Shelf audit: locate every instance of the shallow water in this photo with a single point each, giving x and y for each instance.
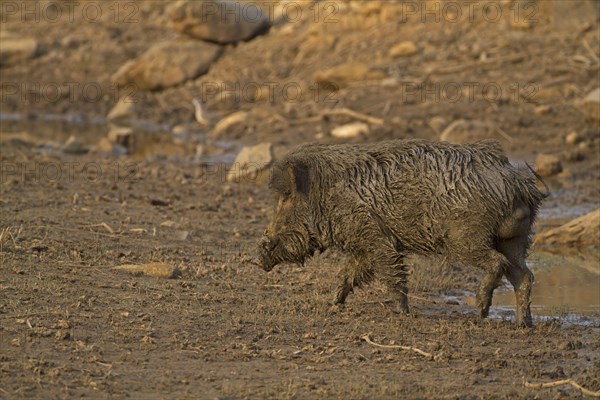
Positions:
(565, 289)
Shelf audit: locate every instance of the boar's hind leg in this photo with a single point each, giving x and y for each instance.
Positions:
(519, 276)
(495, 264)
(354, 275)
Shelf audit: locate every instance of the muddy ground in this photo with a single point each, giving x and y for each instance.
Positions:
(71, 326)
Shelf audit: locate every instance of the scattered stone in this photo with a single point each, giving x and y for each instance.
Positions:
(181, 235)
(351, 130)
(591, 106)
(186, 129)
(548, 165)
(169, 224)
(157, 270)
(167, 64)
(573, 138)
(342, 75)
(250, 162)
(403, 49)
(574, 155)
(120, 135)
(124, 109)
(520, 23)
(64, 324)
(15, 50)
(220, 21)
(106, 146)
(462, 131)
(582, 231)
(74, 146)
(543, 109)
(62, 334)
(234, 121)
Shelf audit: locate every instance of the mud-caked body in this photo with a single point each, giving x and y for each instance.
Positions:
(381, 202)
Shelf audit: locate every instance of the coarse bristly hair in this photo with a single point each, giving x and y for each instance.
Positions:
(384, 200)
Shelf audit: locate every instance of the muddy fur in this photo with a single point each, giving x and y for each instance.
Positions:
(381, 202)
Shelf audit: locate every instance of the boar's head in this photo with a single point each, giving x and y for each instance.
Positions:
(290, 235)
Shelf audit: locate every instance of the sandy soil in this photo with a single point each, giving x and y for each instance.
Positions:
(71, 326)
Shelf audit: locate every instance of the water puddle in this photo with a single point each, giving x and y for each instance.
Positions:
(565, 289)
(49, 133)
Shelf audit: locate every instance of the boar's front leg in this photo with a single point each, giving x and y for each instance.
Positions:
(353, 275)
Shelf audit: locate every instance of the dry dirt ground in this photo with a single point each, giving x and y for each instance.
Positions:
(71, 326)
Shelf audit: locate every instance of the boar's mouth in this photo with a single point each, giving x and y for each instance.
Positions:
(265, 248)
(270, 255)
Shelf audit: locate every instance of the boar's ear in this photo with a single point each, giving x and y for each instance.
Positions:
(279, 180)
(299, 175)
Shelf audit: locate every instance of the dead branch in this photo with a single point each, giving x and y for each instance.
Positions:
(346, 112)
(562, 382)
(505, 135)
(425, 354)
(477, 64)
(352, 114)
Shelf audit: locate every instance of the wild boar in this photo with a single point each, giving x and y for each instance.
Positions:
(383, 201)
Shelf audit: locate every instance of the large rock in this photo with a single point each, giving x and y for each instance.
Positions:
(219, 21)
(582, 231)
(591, 106)
(167, 64)
(14, 50)
(250, 162)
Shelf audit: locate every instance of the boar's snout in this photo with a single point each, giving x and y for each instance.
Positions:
(265, 250)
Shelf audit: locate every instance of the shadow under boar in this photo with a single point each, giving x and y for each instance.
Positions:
(381, 202)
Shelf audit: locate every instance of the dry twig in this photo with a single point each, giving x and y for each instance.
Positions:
(562, 382)
(346, 112)
(425, 354)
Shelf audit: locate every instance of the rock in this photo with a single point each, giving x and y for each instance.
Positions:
(234, 121)
(14, 50)
(573, 138)
(167, 64)
(120, 135)
(591, 106)
(462, 131)
(351, 130)
(169, 224)
(181, 235)
(250, 162)
(157, 270)
(547, 165)
(74, 146)
(124, 109)
(403, 49)
(342, 75)
(574, 155)
(543, 109)
(106, 146)
(220, 21)
(582, 231)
